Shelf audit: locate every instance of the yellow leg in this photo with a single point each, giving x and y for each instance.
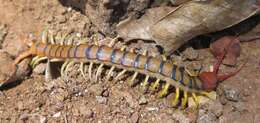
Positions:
(145, 83)
(177, 95)
(164, 90)
(155, 85)
(185, 99)
(131, 82)
(196, 99)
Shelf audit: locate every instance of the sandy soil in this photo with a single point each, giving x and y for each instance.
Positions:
(74, 99)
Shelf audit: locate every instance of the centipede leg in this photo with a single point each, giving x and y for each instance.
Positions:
(185, 99)
(37, 60)
(90, 70)
(131, 82)
(155, 85)
(164, 90)
(62, 72)
(48, 71)
(44, 36)
(82, 70)
(196, 99)
(110, 73)
(51, 37)
(177, 95)
(71, 63)
(145, 84)
(99, 70)
(119, 75)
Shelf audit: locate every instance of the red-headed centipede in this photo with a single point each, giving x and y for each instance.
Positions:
(164, 71)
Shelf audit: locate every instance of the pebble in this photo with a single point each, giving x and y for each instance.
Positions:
(206, 117)
(142, 100)
(101, 100)
(232, 94)
(39, 69)
(57, 114)
(135, 117)
(216, 107)
(190, 54)
(96, 89)
(3, 32)
(180, 117)
(152, 108)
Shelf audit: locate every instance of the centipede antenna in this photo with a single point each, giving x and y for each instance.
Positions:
(90, 70)
(164, 90)
(196, 99)
(184, 99)
(131, 82)
(99, 70)
(177, 95)
(109, 73)
(155, 85)
(119, 75)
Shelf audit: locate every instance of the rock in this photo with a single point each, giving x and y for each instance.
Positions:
(56, 115)
(39, 69)
(216, 108)
(96, 89)
(10, 73)
(142, 100)
(101, 100)
(180, 117)
(152, 108)
(134, 118)
(190, 54)
(3, 32)
(206, 117)
(232, 94)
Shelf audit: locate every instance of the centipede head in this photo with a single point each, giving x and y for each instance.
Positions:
(210, 80)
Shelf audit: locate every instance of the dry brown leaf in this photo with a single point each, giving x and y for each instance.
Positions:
(196, 18)
(189, 20)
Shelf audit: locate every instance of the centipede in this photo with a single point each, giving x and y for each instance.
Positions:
(164, 73)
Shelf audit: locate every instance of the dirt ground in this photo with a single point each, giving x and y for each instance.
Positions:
(74, 99)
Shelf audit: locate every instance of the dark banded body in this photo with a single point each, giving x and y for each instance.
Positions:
(152, 66)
